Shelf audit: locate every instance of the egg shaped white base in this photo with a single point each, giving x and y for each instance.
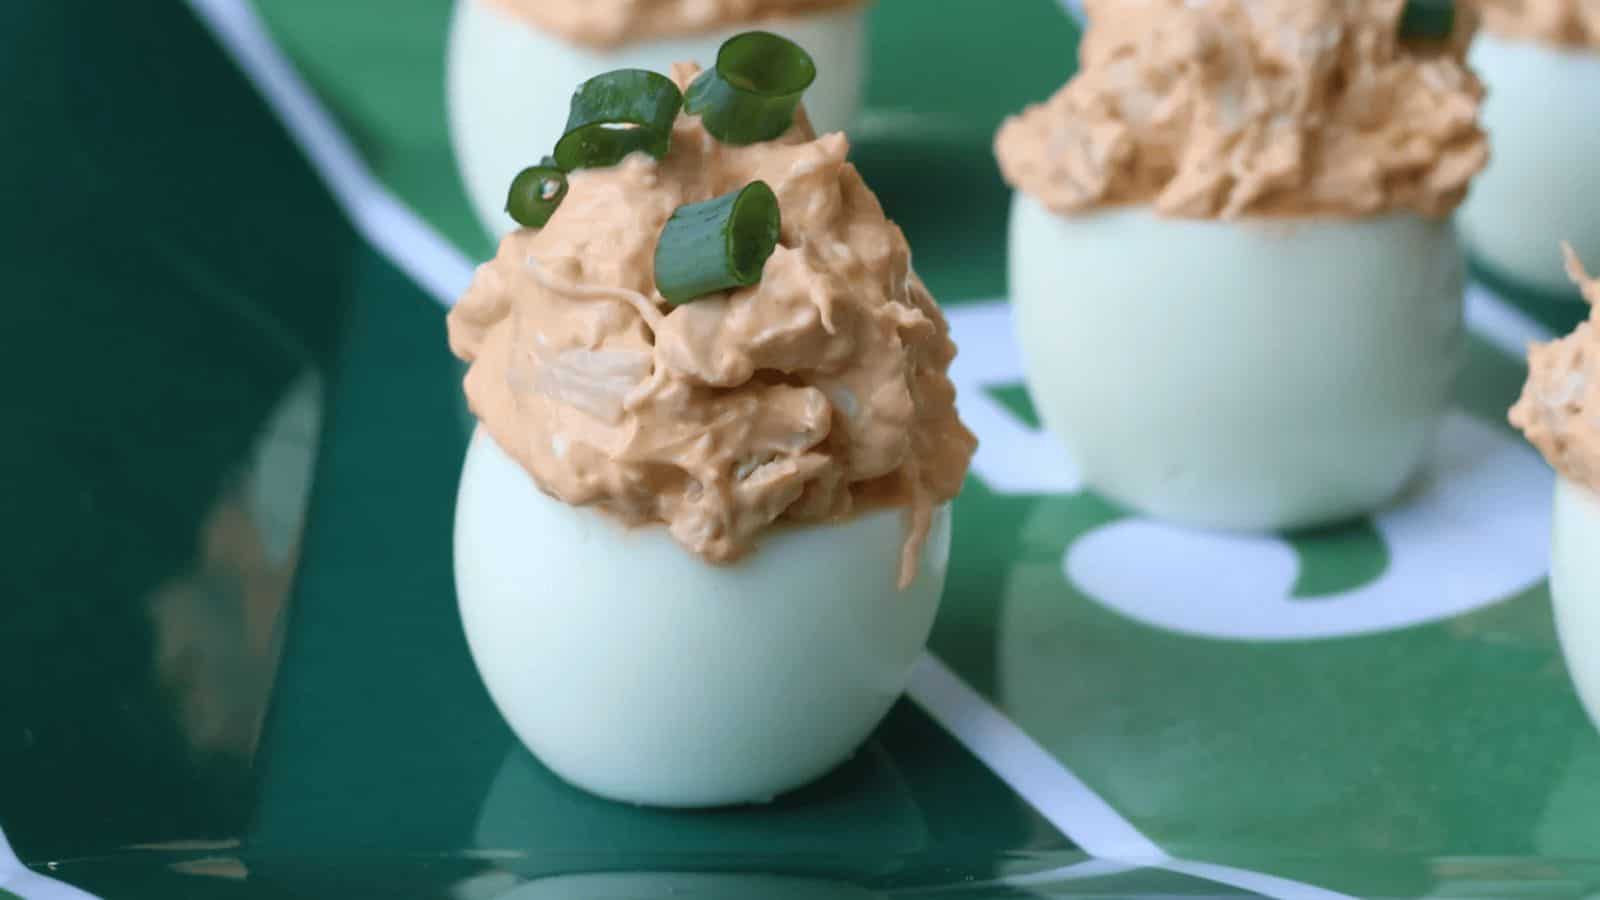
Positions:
(637, 671)
(1575, 587)
(1263, 375)
(509, 86)
(1542, 185)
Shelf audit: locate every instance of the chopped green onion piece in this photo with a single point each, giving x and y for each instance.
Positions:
(753, 91)
(717, 245)
(616, 114)
(535, 193)
(1428, 19)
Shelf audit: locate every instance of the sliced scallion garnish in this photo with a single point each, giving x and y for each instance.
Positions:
(751, 94)
(1428, 20)
(616, 114)
(536, 192)
(717, 245)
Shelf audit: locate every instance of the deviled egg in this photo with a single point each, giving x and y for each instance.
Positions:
(1540, 60)
(1232, 268)
(1560, 413)
(511, 62)
(702, 528)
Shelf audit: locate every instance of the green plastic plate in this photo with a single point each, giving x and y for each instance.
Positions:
(230, 662)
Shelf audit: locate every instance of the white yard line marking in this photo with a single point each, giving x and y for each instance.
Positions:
(1064, 800)
(1494, 319)
(29, 885)
(1060, 796)
(440, 268)
(9, 864)
(411, 244)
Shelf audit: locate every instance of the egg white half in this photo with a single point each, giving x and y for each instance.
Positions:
(509, 86)
(1259, 375)
(638, 671)
(1575, 586)
(1542, 185)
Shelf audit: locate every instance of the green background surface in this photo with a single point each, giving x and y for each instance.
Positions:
(311, 725)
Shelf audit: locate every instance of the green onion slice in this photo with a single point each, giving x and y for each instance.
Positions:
(536, 192)
(1428, 19)
(717, 245)
(616, 114)
(753, 91)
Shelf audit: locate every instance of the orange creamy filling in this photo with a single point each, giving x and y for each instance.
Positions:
(803, 399)
(1567, 23)
(1254, 107)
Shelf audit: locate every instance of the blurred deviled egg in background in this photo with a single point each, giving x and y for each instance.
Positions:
(1540, 60)
(1560, 413)
(1233, 272)
(703, 525)
(512, 63)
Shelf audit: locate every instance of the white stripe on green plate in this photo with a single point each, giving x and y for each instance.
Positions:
(20, 881)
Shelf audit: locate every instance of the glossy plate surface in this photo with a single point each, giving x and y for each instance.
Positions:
(230, 662)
